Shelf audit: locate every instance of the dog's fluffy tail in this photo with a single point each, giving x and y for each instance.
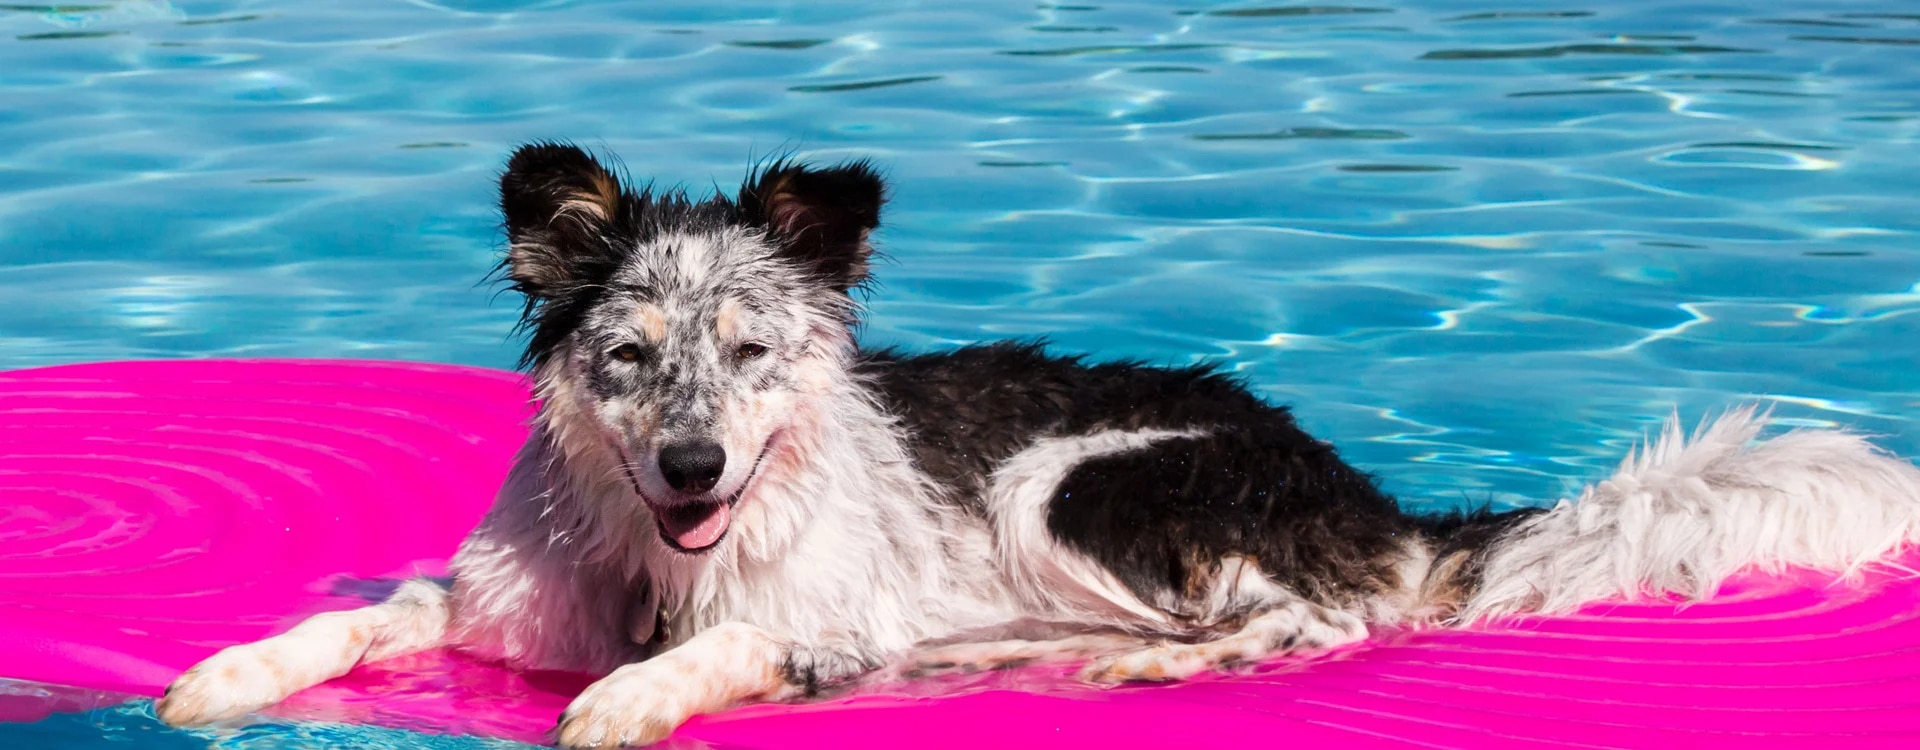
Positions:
(1683, 513)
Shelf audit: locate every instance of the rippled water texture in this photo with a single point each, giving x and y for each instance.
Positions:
(1480, 248)
(76, 719)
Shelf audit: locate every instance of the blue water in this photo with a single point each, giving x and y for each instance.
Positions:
(1483, 249)
(112, 722)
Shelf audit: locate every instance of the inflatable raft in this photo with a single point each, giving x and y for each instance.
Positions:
(153, 512)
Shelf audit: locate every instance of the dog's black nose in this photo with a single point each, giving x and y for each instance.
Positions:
(692, 466)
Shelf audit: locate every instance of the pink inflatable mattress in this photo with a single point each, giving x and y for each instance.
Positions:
(152, 512)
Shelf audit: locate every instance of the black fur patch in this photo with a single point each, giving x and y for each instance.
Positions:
(820, 217)
(972, 408)
(818, 670)
(1163, 517)
(1255, 485)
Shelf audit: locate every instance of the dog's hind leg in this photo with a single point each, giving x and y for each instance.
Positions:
(991, 655)
(251, 676)
(1245, 523)
(1298, 625)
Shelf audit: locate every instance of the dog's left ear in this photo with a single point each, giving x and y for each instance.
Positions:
(819, 217)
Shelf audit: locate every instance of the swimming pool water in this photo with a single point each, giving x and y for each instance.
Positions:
(1483, 247)
(88, 720)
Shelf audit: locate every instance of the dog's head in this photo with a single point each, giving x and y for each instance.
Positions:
(687, 335)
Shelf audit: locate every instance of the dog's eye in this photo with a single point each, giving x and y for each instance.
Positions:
(628, 353)
(750, 351)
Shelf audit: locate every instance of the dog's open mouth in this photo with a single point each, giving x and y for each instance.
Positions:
(698, 525)
(694, 527)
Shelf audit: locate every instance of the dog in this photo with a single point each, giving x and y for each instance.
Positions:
(724, 499)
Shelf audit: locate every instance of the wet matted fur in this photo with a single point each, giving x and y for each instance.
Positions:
(724, 499)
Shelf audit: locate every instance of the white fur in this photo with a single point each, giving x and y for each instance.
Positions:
(1683, 514)
(838, 533)
(1411, 600)
(1240, 587)
(529, 588)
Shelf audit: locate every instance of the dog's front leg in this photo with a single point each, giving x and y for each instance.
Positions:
(251, 676)
(720, 667)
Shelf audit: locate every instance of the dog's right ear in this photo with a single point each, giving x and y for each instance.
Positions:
(559, 205)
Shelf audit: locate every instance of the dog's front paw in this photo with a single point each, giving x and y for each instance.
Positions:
(633, 706)
(230, 684)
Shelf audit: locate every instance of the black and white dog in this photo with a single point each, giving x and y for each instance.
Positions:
(725, 500)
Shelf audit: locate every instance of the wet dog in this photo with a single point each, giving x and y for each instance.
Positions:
(724, 499)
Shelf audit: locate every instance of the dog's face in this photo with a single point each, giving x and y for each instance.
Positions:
(689, 335)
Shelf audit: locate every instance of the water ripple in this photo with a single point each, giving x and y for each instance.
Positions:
(1582, 49)
(1290, 11)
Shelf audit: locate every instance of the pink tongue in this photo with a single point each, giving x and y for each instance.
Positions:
(700, 534)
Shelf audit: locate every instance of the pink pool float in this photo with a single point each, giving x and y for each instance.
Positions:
(153, 512)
